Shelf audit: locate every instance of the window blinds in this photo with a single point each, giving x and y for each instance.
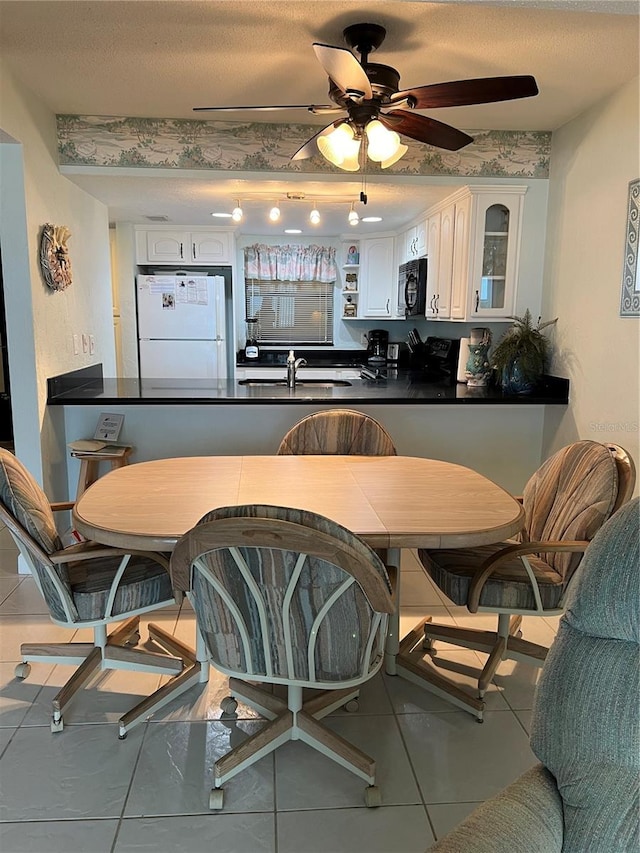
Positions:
(291, 312)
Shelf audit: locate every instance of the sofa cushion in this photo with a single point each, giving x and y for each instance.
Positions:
(586, 726)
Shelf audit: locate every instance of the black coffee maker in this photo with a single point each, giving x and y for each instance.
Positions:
(377, 349)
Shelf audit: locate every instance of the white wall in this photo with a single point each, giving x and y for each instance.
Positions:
(593, 158)
(41, 322)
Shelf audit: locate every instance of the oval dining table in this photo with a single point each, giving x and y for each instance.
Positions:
(391, 502)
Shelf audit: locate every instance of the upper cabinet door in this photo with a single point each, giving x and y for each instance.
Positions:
(167, 247)
(185, 248)
(498, 223)
(211, 247)
(379, 279)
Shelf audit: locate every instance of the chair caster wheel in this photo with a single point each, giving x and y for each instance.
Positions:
(134, 639)
(372, 797)
(518, 635)
(427, 645)
(57, 725)
(122, 734)
(228, 706)
(352, 706)
(22, 671)
(216, 799)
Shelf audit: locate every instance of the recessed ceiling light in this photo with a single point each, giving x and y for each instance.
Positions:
(222, 215)
(293, 230)
(371, 219)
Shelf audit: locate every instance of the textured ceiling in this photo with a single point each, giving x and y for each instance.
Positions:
(160, 59)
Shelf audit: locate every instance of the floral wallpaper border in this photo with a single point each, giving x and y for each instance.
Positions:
(267, 147)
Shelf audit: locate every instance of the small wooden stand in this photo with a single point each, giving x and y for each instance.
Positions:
(90, 463)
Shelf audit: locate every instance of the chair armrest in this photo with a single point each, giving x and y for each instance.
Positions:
(527, 816)
(520, 549)
(60, 506)
(94, 550)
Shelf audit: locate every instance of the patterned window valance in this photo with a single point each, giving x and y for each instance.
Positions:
(290, 263)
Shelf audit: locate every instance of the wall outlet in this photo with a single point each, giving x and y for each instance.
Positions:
(85, 342)
(76, 345)
(92, 344)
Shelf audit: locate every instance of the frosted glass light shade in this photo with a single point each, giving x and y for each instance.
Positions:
(237, 213)
(383, 143)
(274, 213)
(402, 150)
(314, 216)
(341, 148)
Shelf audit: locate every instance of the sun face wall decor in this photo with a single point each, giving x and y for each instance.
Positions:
(55, 264)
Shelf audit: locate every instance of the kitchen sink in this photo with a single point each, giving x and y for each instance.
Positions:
(302, 383)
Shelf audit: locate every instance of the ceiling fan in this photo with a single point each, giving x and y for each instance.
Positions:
(377, 112)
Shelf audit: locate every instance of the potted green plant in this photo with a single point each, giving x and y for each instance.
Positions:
(522, 354)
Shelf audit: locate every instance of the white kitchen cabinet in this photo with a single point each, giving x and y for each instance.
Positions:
(414, 242)
(448, 251)
(433, 264)
(473, 243)
(187, 248)
(378, 279)
(493, 262)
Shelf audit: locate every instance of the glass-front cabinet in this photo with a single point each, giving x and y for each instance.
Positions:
(498, 220)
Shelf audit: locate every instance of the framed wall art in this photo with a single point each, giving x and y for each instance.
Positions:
(630, 298)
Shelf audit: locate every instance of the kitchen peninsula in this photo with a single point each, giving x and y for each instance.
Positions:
(498, 436)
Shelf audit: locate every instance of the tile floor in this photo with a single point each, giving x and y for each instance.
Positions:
(85, 791)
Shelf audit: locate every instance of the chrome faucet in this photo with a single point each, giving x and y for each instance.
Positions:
(293, 364)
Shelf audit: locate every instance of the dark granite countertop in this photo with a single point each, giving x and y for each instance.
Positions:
(402, 387)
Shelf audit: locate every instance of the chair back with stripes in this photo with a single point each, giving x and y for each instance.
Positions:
(284, 595)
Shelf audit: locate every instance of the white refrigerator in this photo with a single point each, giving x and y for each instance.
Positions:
(181, 327)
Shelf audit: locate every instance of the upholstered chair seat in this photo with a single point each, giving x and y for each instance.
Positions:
(565, 503)
(284, 596)
(88, 585)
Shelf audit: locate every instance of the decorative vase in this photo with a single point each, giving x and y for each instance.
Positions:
(513, 381)
(478, 368)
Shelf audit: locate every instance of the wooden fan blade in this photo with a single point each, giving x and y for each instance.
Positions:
(312, 108)
(460, 93)
(425, 129)
(344, 69)
(310, 148)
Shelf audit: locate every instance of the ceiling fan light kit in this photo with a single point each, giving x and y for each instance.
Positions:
(364, 89)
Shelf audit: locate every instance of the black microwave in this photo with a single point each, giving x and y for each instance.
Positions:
(412, 288)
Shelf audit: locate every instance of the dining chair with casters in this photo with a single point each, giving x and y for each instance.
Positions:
(341, 432)
(87, 585)
(584, 794)
(565, 503)
(286, 597)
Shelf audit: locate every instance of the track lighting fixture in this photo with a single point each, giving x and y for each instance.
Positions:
(237, 213)
(316, 214)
